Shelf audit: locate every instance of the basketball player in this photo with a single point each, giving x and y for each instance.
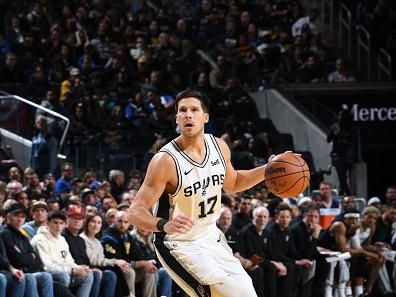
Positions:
(183, 183)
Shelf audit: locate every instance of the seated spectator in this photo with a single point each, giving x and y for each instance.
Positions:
(33, 186)
(340, 74)
(117, 183)
(13, 187)
(103, 281)
(283, 249)
(119, 244)
(94, 249)
(39, 212)
(63, 184)
(11, 72)
(243, 216)
(390, 195)
(309, 72)
(12, 280)
(254, 244)
(328, 198)
(55, 255)
(22, 256)
(14, 173)
(364, 235)
(144, 250)
(305, 235)
(338, 237)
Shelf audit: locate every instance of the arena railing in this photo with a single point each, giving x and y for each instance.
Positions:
(17, 122)
(363, 44)
(384, 64)
(345, 27)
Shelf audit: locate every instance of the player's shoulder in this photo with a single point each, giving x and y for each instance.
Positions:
(222, 144)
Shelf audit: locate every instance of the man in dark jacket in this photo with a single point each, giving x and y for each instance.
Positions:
(74, 223)
(13, 279)
(305, 235)
(282, 249)
(118, 243)
(22, 256)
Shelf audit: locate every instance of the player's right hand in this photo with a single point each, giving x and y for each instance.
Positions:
(180, 224)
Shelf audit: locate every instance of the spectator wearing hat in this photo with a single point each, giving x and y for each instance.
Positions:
(74, 222)
(39, 211)
(63, 184)
(12, 281)
(57, 259)
(374, 201)
(99, 190)
(21, 254)
(87, 196)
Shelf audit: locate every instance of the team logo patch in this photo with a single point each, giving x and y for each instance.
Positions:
(216, 162)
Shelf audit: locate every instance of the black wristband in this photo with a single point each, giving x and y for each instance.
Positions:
(160, 224)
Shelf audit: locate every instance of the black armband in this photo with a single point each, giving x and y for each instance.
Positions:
(160, 224)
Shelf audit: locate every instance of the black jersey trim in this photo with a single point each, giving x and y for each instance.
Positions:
(217, 147)
(200, 289)
(178, 171)
(201, 165)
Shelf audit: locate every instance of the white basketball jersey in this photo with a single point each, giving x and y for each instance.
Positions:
(198, 193)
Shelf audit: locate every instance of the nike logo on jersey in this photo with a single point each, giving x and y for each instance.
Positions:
(187, 172)
(213, 163)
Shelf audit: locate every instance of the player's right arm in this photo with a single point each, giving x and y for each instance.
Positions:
(160, 177)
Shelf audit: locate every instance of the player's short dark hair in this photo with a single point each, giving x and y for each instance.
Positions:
(205, 101)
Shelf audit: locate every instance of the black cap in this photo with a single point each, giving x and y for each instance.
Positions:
(15, 208)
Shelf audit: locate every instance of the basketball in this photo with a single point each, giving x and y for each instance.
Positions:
(287, 175)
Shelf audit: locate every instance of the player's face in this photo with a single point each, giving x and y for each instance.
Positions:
(283, 219)
(190, 116)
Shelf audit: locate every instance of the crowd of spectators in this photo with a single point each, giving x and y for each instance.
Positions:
(114, 68)
(70, 236)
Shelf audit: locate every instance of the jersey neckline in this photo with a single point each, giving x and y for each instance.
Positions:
(187, 157)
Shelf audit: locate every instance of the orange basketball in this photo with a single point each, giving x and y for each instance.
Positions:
(287, 175)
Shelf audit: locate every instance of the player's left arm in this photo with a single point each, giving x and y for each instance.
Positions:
(239, 180)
